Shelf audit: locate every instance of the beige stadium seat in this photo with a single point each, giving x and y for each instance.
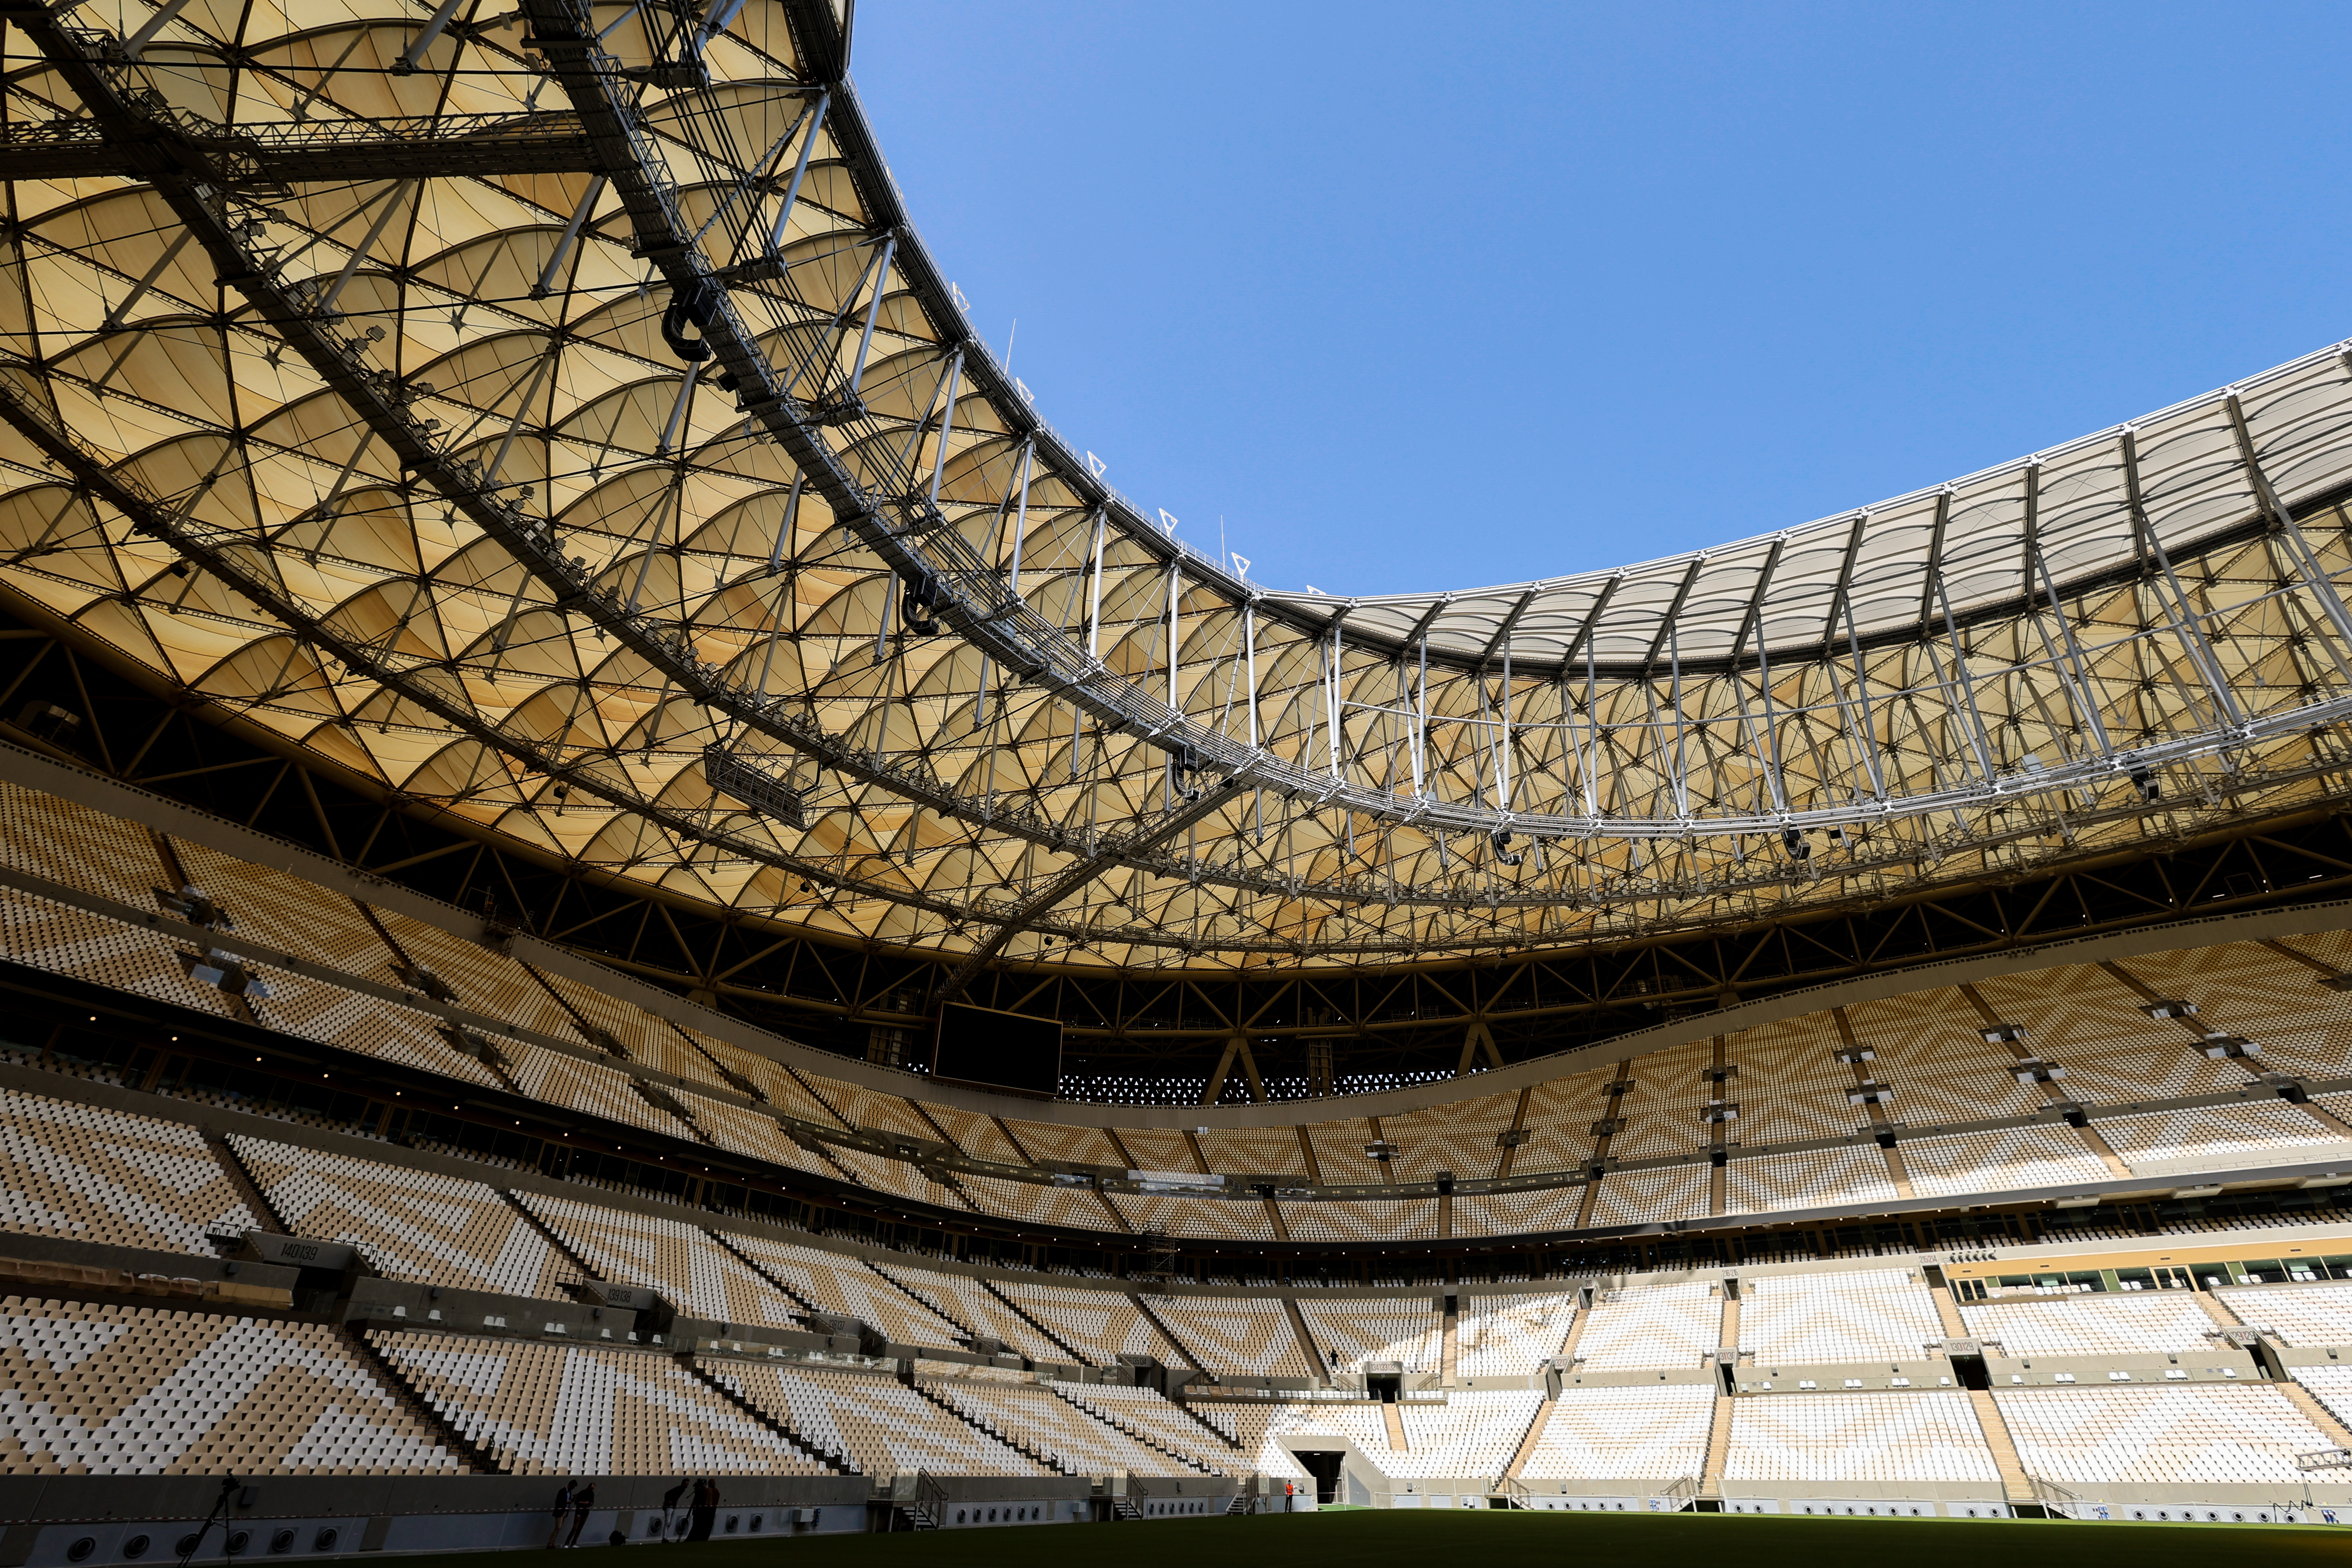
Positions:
(122, 1391)
(410, 1223)
(77, 1172)
(2235, 1434)
(544, 1408)
(884, 1427)
(1879, 1439)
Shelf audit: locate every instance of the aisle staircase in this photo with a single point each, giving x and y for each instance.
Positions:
(2019, 1491)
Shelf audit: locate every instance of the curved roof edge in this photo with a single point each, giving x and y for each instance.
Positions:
(34, 771)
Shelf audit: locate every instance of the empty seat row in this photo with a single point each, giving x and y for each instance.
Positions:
(120, 1391)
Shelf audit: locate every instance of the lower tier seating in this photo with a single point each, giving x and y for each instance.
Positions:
(1473, 1433)
(570, 1410)
(1154, 1419)
(1037, 1418)
(1636, 1433)
(1862, 1437)
(2232, 1435)
(124, 1391)
(884, 1427)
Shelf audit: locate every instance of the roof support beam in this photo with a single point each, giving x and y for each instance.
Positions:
(1046, 899)
(451, 147)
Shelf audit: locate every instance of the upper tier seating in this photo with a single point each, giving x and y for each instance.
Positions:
(830, 1282)
(1869, 1315)
(1677, 1325)
(698, 1274)
(1509, 1336)
(2214, 1129)
(66, 841)
(2298, 1314)
(1644, 1432)
(62, 940)
(1038, 1419)
(1249, 1335)
(1929, 1436)
(884, 1427)
(1459, 1137)
(1408, 1219)
(964, 1299)
(2131, 1322)
(1812, 1179)
(408, 1223)
(124, 1391)
(77, 1171)
(1103, 1324)
(1530, 1213)
(594, 1410)
(1361, 1330)
(2231, 1433)
(1648, 1197)
(2036, 1156)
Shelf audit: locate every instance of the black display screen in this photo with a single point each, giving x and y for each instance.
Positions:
(998, 1050)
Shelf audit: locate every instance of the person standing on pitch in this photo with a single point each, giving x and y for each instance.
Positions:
(562, 1507)
(582, 1500)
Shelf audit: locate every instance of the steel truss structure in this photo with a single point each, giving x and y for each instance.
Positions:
(1146, 1036)
(553, 420)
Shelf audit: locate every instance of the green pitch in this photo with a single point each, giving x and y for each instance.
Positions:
(1365, 1539)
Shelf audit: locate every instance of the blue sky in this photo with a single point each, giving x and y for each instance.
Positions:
(1427, 296)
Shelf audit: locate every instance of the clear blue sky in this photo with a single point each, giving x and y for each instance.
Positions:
(1435, 296)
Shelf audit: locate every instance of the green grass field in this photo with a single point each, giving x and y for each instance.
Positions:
(1371, 1539)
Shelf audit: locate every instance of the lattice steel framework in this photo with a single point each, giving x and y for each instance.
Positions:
(553, 415)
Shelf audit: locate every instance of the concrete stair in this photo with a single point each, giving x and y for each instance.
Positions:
(1526, 1450)
(2016, 1487)
(2319, 1414)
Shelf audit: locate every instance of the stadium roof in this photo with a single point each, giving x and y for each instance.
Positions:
(551, 417)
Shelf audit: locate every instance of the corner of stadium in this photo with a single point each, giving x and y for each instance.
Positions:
(639, 913)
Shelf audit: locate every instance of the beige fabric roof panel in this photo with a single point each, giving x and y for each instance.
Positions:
(553, 415)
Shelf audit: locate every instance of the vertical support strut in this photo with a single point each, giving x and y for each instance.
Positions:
(872, 310)
(799, 169)
(947, 424)
(2184, 613)
(1249, 662)
(375, 232)
(2307, 567)
(588, 200)
(1094, 596)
